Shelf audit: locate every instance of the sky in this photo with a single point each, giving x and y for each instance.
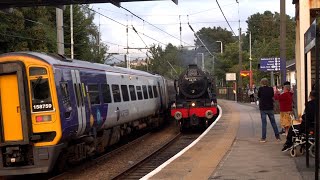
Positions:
(166, 15)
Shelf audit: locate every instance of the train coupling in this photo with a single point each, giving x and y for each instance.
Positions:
(14, 155)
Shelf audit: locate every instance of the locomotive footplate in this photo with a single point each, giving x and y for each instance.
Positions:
(27, 159)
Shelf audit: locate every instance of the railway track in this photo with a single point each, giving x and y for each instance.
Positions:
(101, 158)
(158, 157)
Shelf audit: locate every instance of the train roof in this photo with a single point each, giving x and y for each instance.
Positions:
(57, 60)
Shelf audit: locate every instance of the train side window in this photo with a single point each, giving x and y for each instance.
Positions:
(66, 99)
(106, 93)
(145, 92)
(116, 93)
(150, 92)
(155, 91)
(93, 90)
(125, 93)
(132, 93)
(139, 92)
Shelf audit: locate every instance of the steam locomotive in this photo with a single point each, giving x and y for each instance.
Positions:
(196, 103)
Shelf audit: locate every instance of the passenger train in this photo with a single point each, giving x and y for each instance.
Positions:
(54, 109)
(196, 102)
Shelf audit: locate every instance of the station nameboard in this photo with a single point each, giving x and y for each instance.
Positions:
(230, 76)
(309, 37)
(270, 64)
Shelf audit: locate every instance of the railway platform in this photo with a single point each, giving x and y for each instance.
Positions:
(231, 150)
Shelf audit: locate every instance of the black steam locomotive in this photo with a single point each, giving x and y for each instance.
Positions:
(196, 103)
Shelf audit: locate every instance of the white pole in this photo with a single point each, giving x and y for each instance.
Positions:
(250, 59)
(202, 58)
(71, 30)
(250, 48)
(60, 39)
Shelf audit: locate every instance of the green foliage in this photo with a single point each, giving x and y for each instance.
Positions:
(165, 62)
(210, 36)
(34, 29)
(265, 31)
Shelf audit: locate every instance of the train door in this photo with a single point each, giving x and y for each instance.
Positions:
(160, 96)
(79, 94)
(13, 111)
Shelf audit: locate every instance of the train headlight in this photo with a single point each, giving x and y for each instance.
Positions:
(193, 104)
(213, 103)
(43, 118)
(178, 115)
(173, 105)
(209, 114)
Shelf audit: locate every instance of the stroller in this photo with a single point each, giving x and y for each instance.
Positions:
(299, 143)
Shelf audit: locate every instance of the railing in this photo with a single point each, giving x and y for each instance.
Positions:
(242, 96)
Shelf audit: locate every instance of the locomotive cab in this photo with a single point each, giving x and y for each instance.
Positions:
(29, 117)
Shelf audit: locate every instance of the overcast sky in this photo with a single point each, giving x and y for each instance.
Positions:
(165, 15)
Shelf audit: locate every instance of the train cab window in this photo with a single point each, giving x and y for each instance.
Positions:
(36, 71)
(139, 92)
(116, 93)
(41, 96)
(125, 93)
(150, 92)
(145, 92)
(106, 93)
(93, 90)
(66, 99)
(132, 93)
(155, 91)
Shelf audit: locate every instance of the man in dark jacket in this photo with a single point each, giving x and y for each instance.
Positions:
(265, 95)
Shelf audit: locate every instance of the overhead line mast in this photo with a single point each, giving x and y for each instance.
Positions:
(124, 25)
(154, 26)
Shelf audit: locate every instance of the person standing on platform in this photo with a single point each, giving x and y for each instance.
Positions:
(251, 95)
(265, 94)
(285, 102)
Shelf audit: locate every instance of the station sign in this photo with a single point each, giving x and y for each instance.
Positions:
(309, 37)
(270, 64)
(230, 76)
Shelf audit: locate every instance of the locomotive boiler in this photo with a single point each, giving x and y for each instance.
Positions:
(196, 103)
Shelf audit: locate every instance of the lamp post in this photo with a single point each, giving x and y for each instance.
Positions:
(202, 60)
(221, 47)
(250, 59)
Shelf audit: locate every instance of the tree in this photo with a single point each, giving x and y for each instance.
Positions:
(165, 62)
(26, 29)
(209, 36)
(265, 31)
(85, 35)
(34, 29)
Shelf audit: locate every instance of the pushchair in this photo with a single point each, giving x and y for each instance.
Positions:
(299, 143)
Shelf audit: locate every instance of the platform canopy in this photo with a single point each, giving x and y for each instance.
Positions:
(32, 3)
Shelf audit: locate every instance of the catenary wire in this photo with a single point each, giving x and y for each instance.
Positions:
(154, 25)
(123, 24)
(225, 17)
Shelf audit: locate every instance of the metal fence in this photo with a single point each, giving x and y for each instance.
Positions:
(228, 93)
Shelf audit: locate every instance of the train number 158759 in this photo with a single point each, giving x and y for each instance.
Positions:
(42, 107)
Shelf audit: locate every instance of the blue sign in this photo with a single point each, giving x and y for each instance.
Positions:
(270, 64)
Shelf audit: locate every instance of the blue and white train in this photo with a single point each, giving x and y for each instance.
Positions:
(54, 108)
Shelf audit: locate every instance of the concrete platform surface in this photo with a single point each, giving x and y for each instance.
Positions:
(231, 150)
